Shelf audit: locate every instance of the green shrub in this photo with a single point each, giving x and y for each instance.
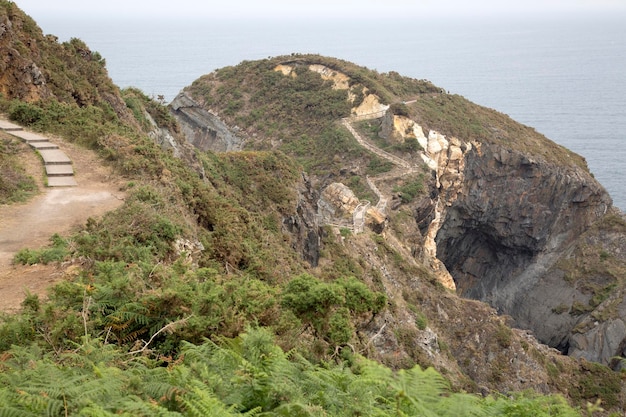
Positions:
(421, 321)
(57, 252)
(410, 189)
(330, 308)
(25, 113)
(503, 335)
(15, 184)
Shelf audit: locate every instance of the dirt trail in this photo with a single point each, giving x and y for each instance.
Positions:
(54, 210)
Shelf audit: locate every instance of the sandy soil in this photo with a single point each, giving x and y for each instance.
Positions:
(53, 210)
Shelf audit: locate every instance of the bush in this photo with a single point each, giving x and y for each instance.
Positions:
(331, 308)
(409, 190)
(57, 252)
(15, 185)
(25, 113)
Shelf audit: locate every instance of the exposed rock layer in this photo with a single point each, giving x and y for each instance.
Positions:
(203, 129)
(513, 219)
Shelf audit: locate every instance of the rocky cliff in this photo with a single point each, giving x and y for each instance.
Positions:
(37, 67)
(506, 207)
(20, 76)
(202, 128)
(514, 218)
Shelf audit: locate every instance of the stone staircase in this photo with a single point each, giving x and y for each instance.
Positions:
(58, 166)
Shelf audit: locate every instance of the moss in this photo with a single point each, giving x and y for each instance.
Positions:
(410, 189)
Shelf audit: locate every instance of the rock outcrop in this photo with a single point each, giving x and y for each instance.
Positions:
(179, 147)
(205, 130)
(303, 226)
(20, 76)
(500, 237)
(339, 206)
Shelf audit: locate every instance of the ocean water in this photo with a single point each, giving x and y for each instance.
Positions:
(565, 76)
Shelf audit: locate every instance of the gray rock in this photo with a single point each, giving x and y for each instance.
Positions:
(516, 216)
(205, 130)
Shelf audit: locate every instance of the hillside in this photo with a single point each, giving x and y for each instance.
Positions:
(246, 274)
(501, 206)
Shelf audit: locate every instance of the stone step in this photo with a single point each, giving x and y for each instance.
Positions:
(58, 166)
(41, 146)
(54, 157)
(59, 170)
(28, 136)
(62, 182)
(8, 126)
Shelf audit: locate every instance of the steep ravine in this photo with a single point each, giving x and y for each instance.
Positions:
(501, 236)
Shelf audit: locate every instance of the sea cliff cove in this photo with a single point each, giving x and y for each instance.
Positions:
(296, 234)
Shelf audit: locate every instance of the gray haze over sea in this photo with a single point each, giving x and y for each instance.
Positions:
(564, 76)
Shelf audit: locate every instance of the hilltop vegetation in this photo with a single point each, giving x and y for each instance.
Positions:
(304, 109)
(191, 298)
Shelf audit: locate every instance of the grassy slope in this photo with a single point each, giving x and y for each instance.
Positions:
(15, 184)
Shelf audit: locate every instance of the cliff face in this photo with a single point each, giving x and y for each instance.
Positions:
(514, 218)
(205, 130)
(303, 226)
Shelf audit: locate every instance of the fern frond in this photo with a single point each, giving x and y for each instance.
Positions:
(201, 403)
(10, 411)
(136, 407)
(462, 405)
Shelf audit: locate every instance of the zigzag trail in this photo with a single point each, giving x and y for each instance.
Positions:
(405, 168)
(57, 209)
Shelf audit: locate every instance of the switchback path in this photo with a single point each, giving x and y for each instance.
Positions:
(53, 210)
(405, 167)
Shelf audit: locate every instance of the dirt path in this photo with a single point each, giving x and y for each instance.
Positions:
(54, 210)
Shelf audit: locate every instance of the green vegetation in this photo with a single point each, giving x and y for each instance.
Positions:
(84, 125)
(15, 184)
(596, 381)
(327, 307)
(57, 251)
(190, 299)
(248, 375)
(410, 189)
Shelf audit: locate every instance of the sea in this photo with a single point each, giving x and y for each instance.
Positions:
(564, 75)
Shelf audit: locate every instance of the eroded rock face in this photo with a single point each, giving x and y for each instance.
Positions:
(339, 206)
(337, 202)
(203, 129)
(303, 226)
(512, 220)
(179, 146)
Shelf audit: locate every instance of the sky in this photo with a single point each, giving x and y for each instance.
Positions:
(306, 8)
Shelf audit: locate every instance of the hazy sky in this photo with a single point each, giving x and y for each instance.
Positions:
(319, 8)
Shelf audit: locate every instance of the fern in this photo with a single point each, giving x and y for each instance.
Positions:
(201, 403)
(10, 411)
